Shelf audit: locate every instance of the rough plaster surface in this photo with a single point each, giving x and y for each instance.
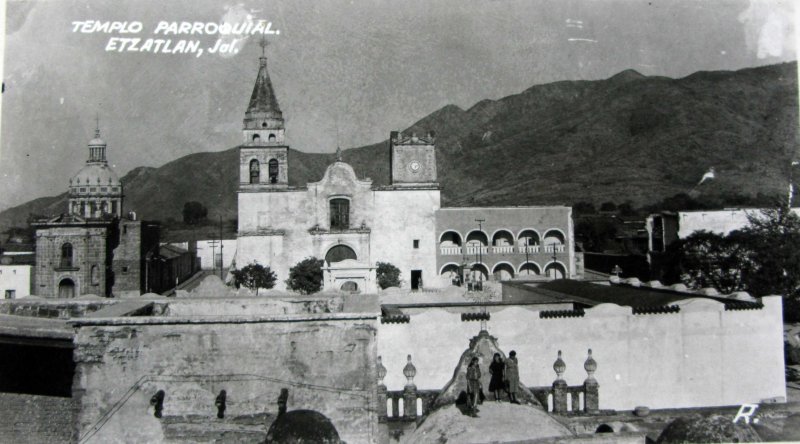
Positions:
(36, 419)
(496, 422)
(327, 365)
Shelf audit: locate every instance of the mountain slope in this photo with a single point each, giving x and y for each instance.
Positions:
(629, 137)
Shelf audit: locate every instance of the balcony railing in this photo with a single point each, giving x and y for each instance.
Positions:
(451, 251)
(554, 248)
(457, 250)
(475, 249)
(503, 249)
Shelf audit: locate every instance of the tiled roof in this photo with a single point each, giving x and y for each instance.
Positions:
(171, 251)
(263, 98)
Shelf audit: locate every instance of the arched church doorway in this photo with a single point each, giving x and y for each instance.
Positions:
(340, 253)
(350, 286)
(66, 289)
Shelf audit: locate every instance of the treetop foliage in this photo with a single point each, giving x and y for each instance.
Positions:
(306, 276)
(255, 276)
(388, 275)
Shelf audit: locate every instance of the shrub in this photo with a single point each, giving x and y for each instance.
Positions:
(306, 276)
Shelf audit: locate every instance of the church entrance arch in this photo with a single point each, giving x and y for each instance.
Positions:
(66, 289)
(350, 286)
(339, 253)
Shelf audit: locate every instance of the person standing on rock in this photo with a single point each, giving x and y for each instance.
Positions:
(473, 384)
(512, 377)
(497, 368)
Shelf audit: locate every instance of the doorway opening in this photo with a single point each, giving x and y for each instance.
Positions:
(416, 279)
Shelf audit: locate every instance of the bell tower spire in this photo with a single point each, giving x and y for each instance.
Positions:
(263, 120)
(264, 155)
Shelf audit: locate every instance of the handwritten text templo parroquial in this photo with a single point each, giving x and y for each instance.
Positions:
(175, 37)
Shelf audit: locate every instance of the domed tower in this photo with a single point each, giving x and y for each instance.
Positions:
(263, 157)
(96, 192)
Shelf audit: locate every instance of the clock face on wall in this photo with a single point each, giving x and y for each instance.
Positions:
(414, 166)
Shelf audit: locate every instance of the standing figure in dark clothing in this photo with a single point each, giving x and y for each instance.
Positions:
(473, 384)
(498, 369)
(512, 376)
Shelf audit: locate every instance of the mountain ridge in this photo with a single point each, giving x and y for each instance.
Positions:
(628, 137)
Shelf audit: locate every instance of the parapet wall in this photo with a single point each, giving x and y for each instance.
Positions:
(50, 308)
(327, 362)
(699, 355)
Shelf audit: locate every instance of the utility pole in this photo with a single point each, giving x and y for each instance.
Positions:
(213, 243)
(527, 255)
(221, 257)
(480, 248)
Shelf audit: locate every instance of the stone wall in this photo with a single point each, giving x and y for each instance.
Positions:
(703, 355)
(36, 419)
(326, 362)
(56, 309)
(89, 250)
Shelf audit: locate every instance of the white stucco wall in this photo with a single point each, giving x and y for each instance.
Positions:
(701, 356)
(721, 221)
(17, 278)
(402, 216)
(206, 253)
(275, 226)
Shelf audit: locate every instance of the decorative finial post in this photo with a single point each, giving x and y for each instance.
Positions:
(409, 371)
(338, 154)
(97, 126)
(591, 389)
(410, 391)
(559, 366)
(381, 391)
(559, 386)
(590, 366)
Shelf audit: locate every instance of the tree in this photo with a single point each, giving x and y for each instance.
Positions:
(581, 208)
(306, 276)
(194, 212)
(388, 275)
(713, 260)
(774, 250)
(608, 207)
(255, 276)
(626, 208)
(762, 259)
(597, 233)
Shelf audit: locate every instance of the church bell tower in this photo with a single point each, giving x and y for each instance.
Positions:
(413, 159)
(263, 155)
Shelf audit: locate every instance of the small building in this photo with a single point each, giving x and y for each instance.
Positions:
(15, 279)
(168, 267)
(667, 227)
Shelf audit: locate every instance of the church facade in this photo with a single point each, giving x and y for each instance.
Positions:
(93, 249)
(353, 224)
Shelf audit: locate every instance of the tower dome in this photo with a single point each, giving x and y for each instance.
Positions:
(96, 191)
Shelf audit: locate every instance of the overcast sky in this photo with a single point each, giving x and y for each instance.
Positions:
(346, 71)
